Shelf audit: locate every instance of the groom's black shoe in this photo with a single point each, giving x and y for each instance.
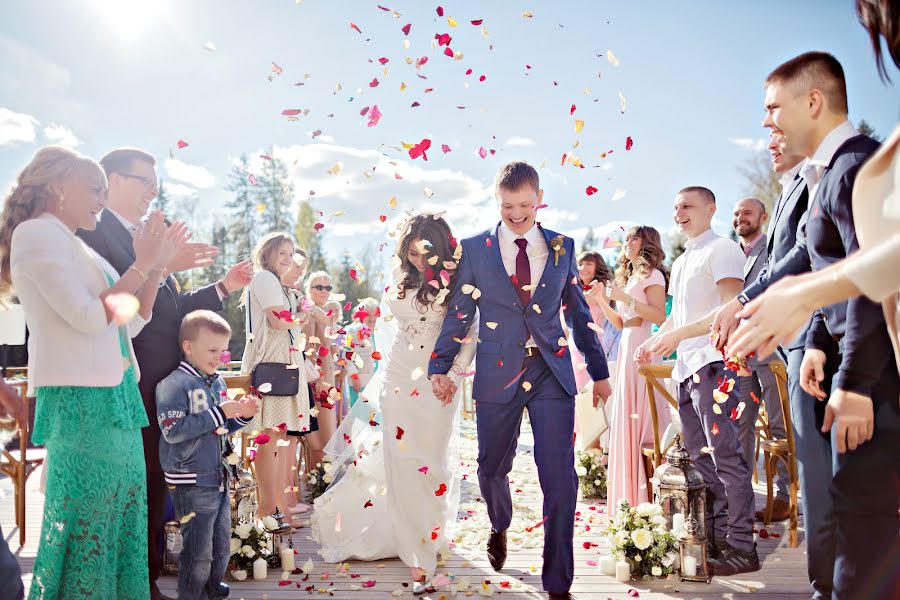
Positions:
(496, 548)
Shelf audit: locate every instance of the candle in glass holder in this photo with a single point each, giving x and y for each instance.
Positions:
(608, 565)
(287, 558)
(689, 566)
(623, 571)
(677, 523)
(260, 568)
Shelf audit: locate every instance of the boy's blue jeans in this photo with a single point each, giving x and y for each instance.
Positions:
(206, 545)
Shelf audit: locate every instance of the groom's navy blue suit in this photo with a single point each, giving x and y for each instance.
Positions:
(503, 372)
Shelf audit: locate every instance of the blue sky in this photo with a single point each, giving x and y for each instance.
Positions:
(103, 73)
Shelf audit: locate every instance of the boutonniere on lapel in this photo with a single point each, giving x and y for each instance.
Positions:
(556, 244)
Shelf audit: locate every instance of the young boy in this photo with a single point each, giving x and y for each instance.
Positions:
(195, 416)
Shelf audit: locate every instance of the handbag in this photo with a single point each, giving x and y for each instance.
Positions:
(284, 378)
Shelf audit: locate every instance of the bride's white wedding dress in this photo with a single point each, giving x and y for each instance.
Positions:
(396, 491)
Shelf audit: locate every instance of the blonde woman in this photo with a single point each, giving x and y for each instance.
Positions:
(321, 333)
(82, 369)
(639, 291)
(274, 337)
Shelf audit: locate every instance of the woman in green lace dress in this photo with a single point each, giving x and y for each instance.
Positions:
(82, 316)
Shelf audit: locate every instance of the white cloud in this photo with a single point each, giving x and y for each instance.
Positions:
(16, 127)
(61, 135)
(749, 143)
(22, 63)
(366, 182)
(179, 190)
(519, 141)
(193, 175)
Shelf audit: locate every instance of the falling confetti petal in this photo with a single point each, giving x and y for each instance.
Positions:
(187, 517)
(622, 102)
(612, 58)
(209, 46)
(628, 143)
(579, 125)
(123, 307)
(617, 195)
(590, 190)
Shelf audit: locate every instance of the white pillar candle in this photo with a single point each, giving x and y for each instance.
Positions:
(689, 568)
(287, 558)
(608, 565)
(677, 523)
(260, 568)
(623, 571)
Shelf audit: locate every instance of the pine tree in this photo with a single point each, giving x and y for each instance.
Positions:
(162, 200)
(274, 194)
(866, 129)
(589, 243)
(243, 232)
(308, 238)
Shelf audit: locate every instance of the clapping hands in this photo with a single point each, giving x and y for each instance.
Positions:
(249, 406)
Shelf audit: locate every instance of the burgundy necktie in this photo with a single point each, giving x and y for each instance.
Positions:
(523, 272)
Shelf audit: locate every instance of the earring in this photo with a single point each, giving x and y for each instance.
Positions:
(62, 200)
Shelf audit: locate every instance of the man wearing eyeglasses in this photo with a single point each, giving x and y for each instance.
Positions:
(132, 187)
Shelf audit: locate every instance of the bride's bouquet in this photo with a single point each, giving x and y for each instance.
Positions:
(639, 536)
(591, 473)
(320, 477)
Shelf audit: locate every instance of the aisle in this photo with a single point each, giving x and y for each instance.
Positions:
(783, 575)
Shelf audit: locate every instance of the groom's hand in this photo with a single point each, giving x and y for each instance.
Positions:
(443, 388)
(602, 391)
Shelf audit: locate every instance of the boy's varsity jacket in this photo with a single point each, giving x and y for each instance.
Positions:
(193, 442)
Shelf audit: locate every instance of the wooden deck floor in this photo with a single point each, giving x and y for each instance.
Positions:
(783, 575)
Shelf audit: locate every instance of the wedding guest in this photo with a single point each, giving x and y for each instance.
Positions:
(708, 274)
(272, 337)
(848, 357)
(195, 416)
(83, 371)
(871, 271)
(759, 386)
(293, 279)
(361, 365)
(132, 187)
(10, 574)
(318, 289)
(639, 291)
(592, 268)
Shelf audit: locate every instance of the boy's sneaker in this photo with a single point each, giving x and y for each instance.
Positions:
(732, 561)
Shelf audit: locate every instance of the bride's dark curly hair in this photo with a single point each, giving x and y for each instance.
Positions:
(440, 242)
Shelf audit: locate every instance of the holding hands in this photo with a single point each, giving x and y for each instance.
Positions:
(444, 388)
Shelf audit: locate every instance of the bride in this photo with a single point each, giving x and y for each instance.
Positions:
(395, 491)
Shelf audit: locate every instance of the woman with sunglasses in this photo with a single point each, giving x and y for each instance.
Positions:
(321, 331)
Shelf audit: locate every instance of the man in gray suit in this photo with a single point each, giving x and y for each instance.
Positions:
(760, 386)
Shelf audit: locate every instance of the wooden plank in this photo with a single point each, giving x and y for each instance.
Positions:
(783, 575)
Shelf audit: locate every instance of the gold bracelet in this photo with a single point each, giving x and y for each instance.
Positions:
(138, 271)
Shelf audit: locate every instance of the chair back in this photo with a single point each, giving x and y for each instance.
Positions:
(779, 370)
(654, 373)
(22, 432)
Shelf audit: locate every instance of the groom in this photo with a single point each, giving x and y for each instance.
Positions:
(525, 275)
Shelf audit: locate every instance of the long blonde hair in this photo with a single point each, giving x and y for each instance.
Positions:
(32, 195)
(262, 253)
(650, 256)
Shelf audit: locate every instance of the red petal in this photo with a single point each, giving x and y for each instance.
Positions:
(440, 11)
(291, 112)
(354, 26)
(628, 143)
(448, 52)
(590, 190)
(572, 110)
(405, 28)
(374, 82)
(384, 60)
(445, 148)
(400, 433)
(477, 22)
(182, 144)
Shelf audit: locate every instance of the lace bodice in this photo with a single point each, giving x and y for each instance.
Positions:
(416, 324)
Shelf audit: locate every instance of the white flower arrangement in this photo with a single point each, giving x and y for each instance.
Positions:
(591, 473)
(247, 543)
(320, 477)
(636, 535)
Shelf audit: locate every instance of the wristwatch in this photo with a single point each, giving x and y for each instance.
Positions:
(743, 299)
(222, 289)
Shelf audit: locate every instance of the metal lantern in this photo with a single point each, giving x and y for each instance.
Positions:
(279, 537)
(692, 552)
(680, 490)
(242, 494)
(172, 548)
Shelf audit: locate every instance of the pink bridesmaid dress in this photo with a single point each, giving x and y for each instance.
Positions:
(630, 425)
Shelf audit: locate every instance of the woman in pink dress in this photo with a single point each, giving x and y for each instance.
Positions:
(639, 291)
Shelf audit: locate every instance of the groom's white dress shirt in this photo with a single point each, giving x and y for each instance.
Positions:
(537, 255)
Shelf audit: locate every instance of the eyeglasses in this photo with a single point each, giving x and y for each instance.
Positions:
(322, 288)
(150, 184)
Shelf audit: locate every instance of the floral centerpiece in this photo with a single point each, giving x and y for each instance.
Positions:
(320, 477)
(591, 473)
(249, 542)
(639, 535)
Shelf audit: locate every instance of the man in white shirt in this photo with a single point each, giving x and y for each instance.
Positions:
(708, 274)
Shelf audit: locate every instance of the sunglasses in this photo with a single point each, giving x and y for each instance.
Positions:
(322, 288)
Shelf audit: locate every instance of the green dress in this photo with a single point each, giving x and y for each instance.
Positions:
(94, 535)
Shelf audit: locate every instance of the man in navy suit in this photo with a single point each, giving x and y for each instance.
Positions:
(849, 358)
(526, 275)
(132, 187)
